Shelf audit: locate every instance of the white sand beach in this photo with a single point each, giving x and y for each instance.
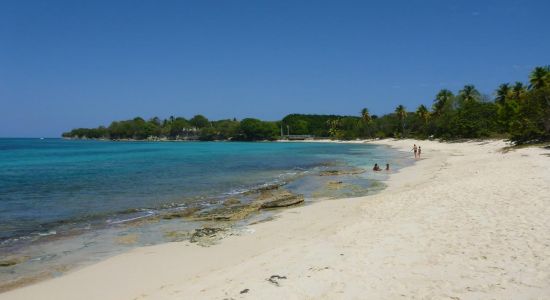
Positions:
(467, 221)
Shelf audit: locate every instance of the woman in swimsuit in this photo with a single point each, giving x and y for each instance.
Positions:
(415, 150)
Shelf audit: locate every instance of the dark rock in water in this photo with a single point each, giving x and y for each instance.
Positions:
(227, 213)
(275, 279)
(264, 188)
(234, 210)
(231, 201)
(12, 261)
(184, 213)
(341, 172)
(8, 263)
(205, 236)
(269, 187)
(330, 164)
(283, 200)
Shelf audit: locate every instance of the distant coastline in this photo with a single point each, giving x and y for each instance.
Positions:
(518, 112)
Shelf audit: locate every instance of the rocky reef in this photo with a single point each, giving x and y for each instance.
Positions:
(234, 209)
(283, 200)
(337, 172)
(218, 220)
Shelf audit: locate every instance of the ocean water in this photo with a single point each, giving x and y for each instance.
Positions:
(57, 188)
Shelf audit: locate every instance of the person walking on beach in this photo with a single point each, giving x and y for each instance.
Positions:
(419, 151)
(415, 149)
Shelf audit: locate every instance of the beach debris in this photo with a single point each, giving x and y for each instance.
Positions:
(275, 279)
(244, 291)
(318, 268)
(283, 200)
(341, 172)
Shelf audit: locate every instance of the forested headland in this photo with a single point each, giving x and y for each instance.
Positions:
(517, 111)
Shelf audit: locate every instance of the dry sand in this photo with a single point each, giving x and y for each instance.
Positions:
(465, 222)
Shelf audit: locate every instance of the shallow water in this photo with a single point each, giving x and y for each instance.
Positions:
(68, 202)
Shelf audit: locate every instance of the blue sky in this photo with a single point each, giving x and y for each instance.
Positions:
(66, 64)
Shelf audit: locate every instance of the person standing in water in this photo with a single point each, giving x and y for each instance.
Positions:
(419, 151)
(415, 149)
(376, 168)
(387, 167)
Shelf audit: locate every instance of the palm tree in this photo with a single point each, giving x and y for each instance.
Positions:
(503, 92)
(469, 93)
(366, 115)
(423, 113)
(441, 99)
(333, 125)
(518, 90)
(539, 77)
(401, 114)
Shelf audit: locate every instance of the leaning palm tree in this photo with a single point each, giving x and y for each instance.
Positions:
(503, 92)
(365, 115)
(539, 77)
(469, 93)
(441, 99)
(423, 113)
(401, 114)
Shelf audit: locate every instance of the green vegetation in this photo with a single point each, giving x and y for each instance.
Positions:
(518, 112)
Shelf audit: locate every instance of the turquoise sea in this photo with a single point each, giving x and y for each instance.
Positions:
(80, 193)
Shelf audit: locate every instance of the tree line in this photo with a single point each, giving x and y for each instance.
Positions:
(178, 128)
(519, 112)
